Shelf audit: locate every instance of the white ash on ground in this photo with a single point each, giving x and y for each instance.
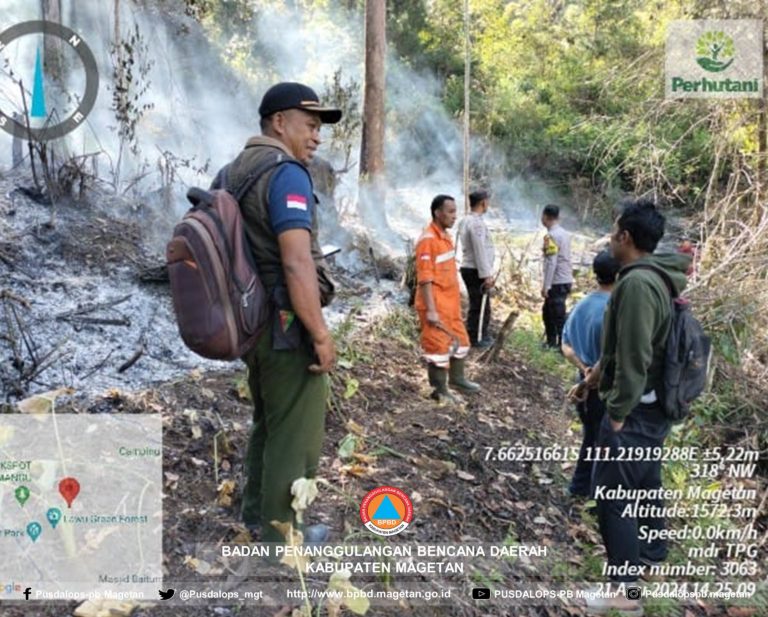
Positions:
(74, 311)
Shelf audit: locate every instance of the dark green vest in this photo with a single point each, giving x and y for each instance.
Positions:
(258, 228)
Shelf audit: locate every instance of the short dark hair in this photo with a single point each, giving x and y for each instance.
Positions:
(477, 197)
(438, 202)
(551, 211)
(266, 122)
(606, 268)
(641, 219)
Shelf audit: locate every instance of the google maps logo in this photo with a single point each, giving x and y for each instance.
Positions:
(12, 589)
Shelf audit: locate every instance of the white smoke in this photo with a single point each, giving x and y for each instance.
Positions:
(204, 110)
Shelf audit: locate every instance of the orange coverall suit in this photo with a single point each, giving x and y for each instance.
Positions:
(436, 264)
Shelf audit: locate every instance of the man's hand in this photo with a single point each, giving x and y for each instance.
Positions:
(578, 393)
(616, 426)
(592, 376)
(544, 293)
(325, 350)
(488, 283)
(433, 319)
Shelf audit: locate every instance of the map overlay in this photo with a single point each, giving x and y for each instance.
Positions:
(80, 504)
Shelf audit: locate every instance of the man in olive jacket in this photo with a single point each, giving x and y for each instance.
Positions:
(635, 329)
(287, 368)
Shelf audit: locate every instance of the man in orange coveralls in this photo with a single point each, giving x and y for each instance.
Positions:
(444, 338)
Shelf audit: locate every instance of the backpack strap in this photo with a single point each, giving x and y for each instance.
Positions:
(221, 181)
(660, 271)
(256, 173)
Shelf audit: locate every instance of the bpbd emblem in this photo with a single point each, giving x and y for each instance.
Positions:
(386, 511)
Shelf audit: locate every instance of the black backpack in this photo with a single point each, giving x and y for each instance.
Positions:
(687, 355)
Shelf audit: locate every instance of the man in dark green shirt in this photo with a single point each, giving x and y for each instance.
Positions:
(637, 321)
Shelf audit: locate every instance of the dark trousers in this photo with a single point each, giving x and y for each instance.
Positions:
(645, 427)
(553, 313)
(590, 413)
(475, 291)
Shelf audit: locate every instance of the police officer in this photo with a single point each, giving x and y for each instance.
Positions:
(558, 275)
(477, 267)
(288, 366)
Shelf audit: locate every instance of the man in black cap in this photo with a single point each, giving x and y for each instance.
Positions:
(287, 369)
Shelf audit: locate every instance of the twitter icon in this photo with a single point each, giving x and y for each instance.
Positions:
(166, 595)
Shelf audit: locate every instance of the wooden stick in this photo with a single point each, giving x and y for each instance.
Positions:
(132, 360)
(5, 294)
(123, 321)
(29, 137)
(99, 366)
(492, 353)
(89, 308)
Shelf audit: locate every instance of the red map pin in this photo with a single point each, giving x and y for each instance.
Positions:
(69, 489)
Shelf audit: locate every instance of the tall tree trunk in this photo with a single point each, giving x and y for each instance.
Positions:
(762, 132)
(762, 150)
(467, 63)
(372, 148)
(53, 51)
(372, 181)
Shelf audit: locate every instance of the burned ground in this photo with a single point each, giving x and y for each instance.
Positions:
(382, 429)
(402, 438)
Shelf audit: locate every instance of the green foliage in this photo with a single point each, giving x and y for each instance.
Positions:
(241, 386)
(348, 445)
(576, 89)
(525, 344)
(662, 607)
(486, 579)
(406, 19)
(130, 68)
(345, 96)
(401, 324)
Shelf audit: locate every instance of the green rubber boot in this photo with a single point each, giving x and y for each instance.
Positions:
(437, 379)
(456, 377)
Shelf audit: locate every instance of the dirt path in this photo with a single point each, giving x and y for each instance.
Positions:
(435, 453)
(392, 434)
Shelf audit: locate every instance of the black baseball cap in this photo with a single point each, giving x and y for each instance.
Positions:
(292, 95)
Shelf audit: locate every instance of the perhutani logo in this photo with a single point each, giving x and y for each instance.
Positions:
(714, 51)
(713, 85)
(714, 59)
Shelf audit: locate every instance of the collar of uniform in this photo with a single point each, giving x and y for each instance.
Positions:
(555, 226)
(263, 140)
(439, 232)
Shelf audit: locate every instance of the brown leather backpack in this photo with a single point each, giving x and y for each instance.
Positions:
(219, 300)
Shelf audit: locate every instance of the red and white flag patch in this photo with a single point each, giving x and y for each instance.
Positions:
(299, 202)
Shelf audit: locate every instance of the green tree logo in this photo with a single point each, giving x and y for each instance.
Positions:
(714, 51)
